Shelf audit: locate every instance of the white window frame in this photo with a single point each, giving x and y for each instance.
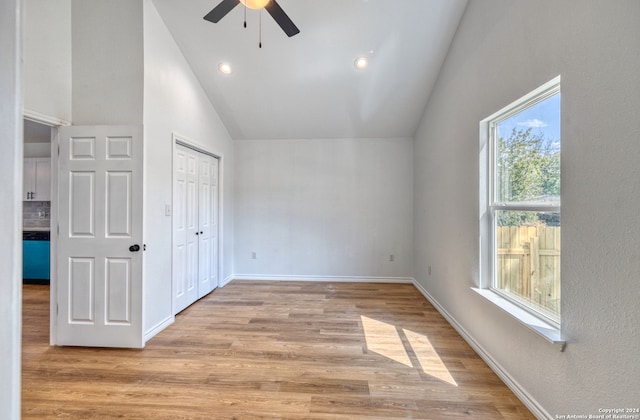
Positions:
(538, 322)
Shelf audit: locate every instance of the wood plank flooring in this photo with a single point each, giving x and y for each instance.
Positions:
(280, 350)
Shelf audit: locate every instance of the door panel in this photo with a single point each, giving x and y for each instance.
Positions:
(119, 185)
(100, 204)
(204, 221)
(81, 198)
(81, 287)
(118, 283)
(179, 230)
(192, 228)
(185, 246)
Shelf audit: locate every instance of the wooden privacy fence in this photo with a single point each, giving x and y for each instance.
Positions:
(528, 264)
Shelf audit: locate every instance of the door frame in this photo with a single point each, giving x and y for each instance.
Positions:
(179, 139)
(53, 123)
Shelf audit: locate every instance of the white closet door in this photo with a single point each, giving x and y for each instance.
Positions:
(195, 226)
(204, 218)
(185, 228)
(208, 217)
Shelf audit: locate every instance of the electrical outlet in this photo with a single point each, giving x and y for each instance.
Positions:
(254, 256)
(167, 209)
(429, 270)
(392, 257)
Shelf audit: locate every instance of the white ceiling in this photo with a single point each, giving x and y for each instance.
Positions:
(307, 86)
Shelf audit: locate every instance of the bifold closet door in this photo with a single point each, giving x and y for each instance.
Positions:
(195, 226)
(207, 216)
(185, 227)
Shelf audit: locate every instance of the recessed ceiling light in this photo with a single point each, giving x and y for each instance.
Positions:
(225, 68)
(361, 63)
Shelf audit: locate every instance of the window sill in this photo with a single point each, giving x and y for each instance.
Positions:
(541, 328)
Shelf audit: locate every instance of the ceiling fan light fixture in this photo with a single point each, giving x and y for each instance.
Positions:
(361, 63)
(225, 68)
(255, 4)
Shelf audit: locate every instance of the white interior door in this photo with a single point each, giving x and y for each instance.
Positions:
(195, 231)
(100, 236)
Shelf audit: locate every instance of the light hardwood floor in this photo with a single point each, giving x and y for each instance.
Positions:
(286, 350)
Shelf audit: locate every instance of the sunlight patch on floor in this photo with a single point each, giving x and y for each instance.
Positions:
(384, 339)
(429, 360)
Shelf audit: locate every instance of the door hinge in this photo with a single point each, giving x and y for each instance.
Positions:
(58, 150)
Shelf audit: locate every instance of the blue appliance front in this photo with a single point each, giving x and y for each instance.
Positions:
(35, 257)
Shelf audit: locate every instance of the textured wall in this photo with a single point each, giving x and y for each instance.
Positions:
(503, 50)
(324, 207)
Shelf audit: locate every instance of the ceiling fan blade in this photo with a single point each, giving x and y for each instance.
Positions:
(281, 18)
(221, 10)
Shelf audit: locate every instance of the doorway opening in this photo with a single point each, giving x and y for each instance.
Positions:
(38, 212)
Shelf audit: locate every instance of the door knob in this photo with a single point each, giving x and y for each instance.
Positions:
(134, 248)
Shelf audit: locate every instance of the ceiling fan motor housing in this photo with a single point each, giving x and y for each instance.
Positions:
(271, 6)
(255, 4)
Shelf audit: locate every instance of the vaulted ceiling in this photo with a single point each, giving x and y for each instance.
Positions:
(307, 86)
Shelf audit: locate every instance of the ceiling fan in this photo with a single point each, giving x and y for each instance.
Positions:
(271, 6)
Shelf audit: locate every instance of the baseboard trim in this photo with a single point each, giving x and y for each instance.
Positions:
(158, 327)
(226, 281)
(337, 279)
(514, 386)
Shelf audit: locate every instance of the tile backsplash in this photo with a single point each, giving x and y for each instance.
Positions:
(36, 214)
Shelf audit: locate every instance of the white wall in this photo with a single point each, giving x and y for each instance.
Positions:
(324, 207)
(10, 207)
(503, 50)
(174, 102)
(107, 59)
(47, 58)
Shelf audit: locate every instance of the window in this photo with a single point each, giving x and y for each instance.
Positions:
(520, 203)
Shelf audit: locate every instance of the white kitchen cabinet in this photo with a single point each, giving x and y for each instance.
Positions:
(37, 179)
